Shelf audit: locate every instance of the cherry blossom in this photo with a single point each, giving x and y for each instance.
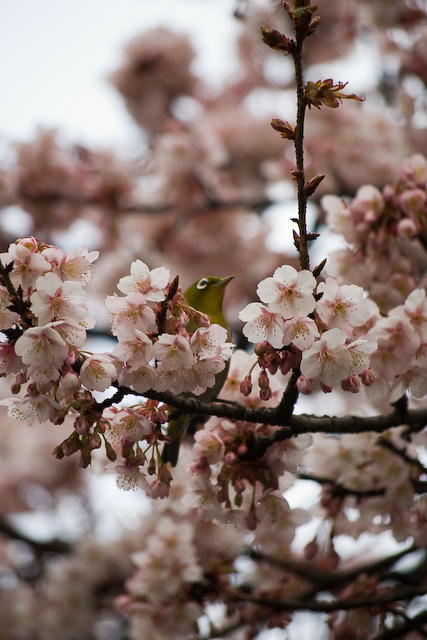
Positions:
(27, 265)
(289, 292)
(134, 347)
(174, 352)
(301, 332)
(150, 283)
(342, 306)
(132, 309)
(262, 324)
(98, 372)
(42, 347)
(54, 299)
(327, 359)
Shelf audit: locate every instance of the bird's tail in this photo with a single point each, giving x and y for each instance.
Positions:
(176, 428)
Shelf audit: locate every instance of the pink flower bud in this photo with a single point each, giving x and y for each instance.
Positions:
(367, 377)
(407, 228)
(238, 500)
(111, 454)
(311, 549)
(22, 377)
(71, 445)
(325, 388)
(81, 425)
(151, 469)
(95, 441)
(265, 394)
(263, 381)
(304, 385)
(165, 475)
(261, 348)
(32, 390)
(351, 384)
(246, 386)
(242, 450)
(230, 458)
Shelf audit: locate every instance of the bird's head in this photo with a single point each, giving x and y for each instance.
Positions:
(206, 295)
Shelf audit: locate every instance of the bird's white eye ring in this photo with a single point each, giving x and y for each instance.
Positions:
(202, 284)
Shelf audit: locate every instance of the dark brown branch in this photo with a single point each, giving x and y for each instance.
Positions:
(408, 624)
(324, 579)
(291, 425)
(394, 594)
(299, 174)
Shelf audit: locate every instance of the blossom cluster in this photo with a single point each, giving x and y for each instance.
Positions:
(321, 331)
(168, 357)
(44, 320)
(385, 231)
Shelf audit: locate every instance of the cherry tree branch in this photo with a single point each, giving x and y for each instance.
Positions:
(389, 596)
(295, 424)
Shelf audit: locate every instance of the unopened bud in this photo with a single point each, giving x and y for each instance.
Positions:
(238, 500)
(151, 469)
(246, 386)
(304, 385)
(276, 40)
(286, 130)
(265, 394)
(263, 381)
(351, 384)
(230, 458)
(367, 377)
(261, 348)
(325, 388)
(111, 454)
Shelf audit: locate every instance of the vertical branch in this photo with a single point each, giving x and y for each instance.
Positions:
(299, 174)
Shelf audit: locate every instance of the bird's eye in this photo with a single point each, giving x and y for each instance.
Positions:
(202, 284)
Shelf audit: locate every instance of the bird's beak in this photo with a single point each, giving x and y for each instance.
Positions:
(226, 280)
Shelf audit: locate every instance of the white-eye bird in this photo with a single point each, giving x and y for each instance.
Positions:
(205, 295)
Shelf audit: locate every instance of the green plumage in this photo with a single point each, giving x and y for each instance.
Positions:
(205, 295)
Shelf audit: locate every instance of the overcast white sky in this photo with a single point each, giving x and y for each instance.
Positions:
(55, 56)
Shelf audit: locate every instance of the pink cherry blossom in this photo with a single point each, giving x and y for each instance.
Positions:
(342, 306)
(360, 351)
(289, 292)
(414, 309)
(27, 266)
(262, 324)
(72, 332)
(55, 299)
(98, 372)
(141, 379)
(397, 344)
(207, 342)
(134, 347)
(131, 309)
(77, 265)
(129, 478)
(301, 332)
(128, 426)
(151, 283)
(42, 347)
(9, 361)
(327, 359)
(174, 352)
(201, 375)
(208, 445)
(166, 379)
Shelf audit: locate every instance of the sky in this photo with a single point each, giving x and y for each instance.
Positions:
(56, 56)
